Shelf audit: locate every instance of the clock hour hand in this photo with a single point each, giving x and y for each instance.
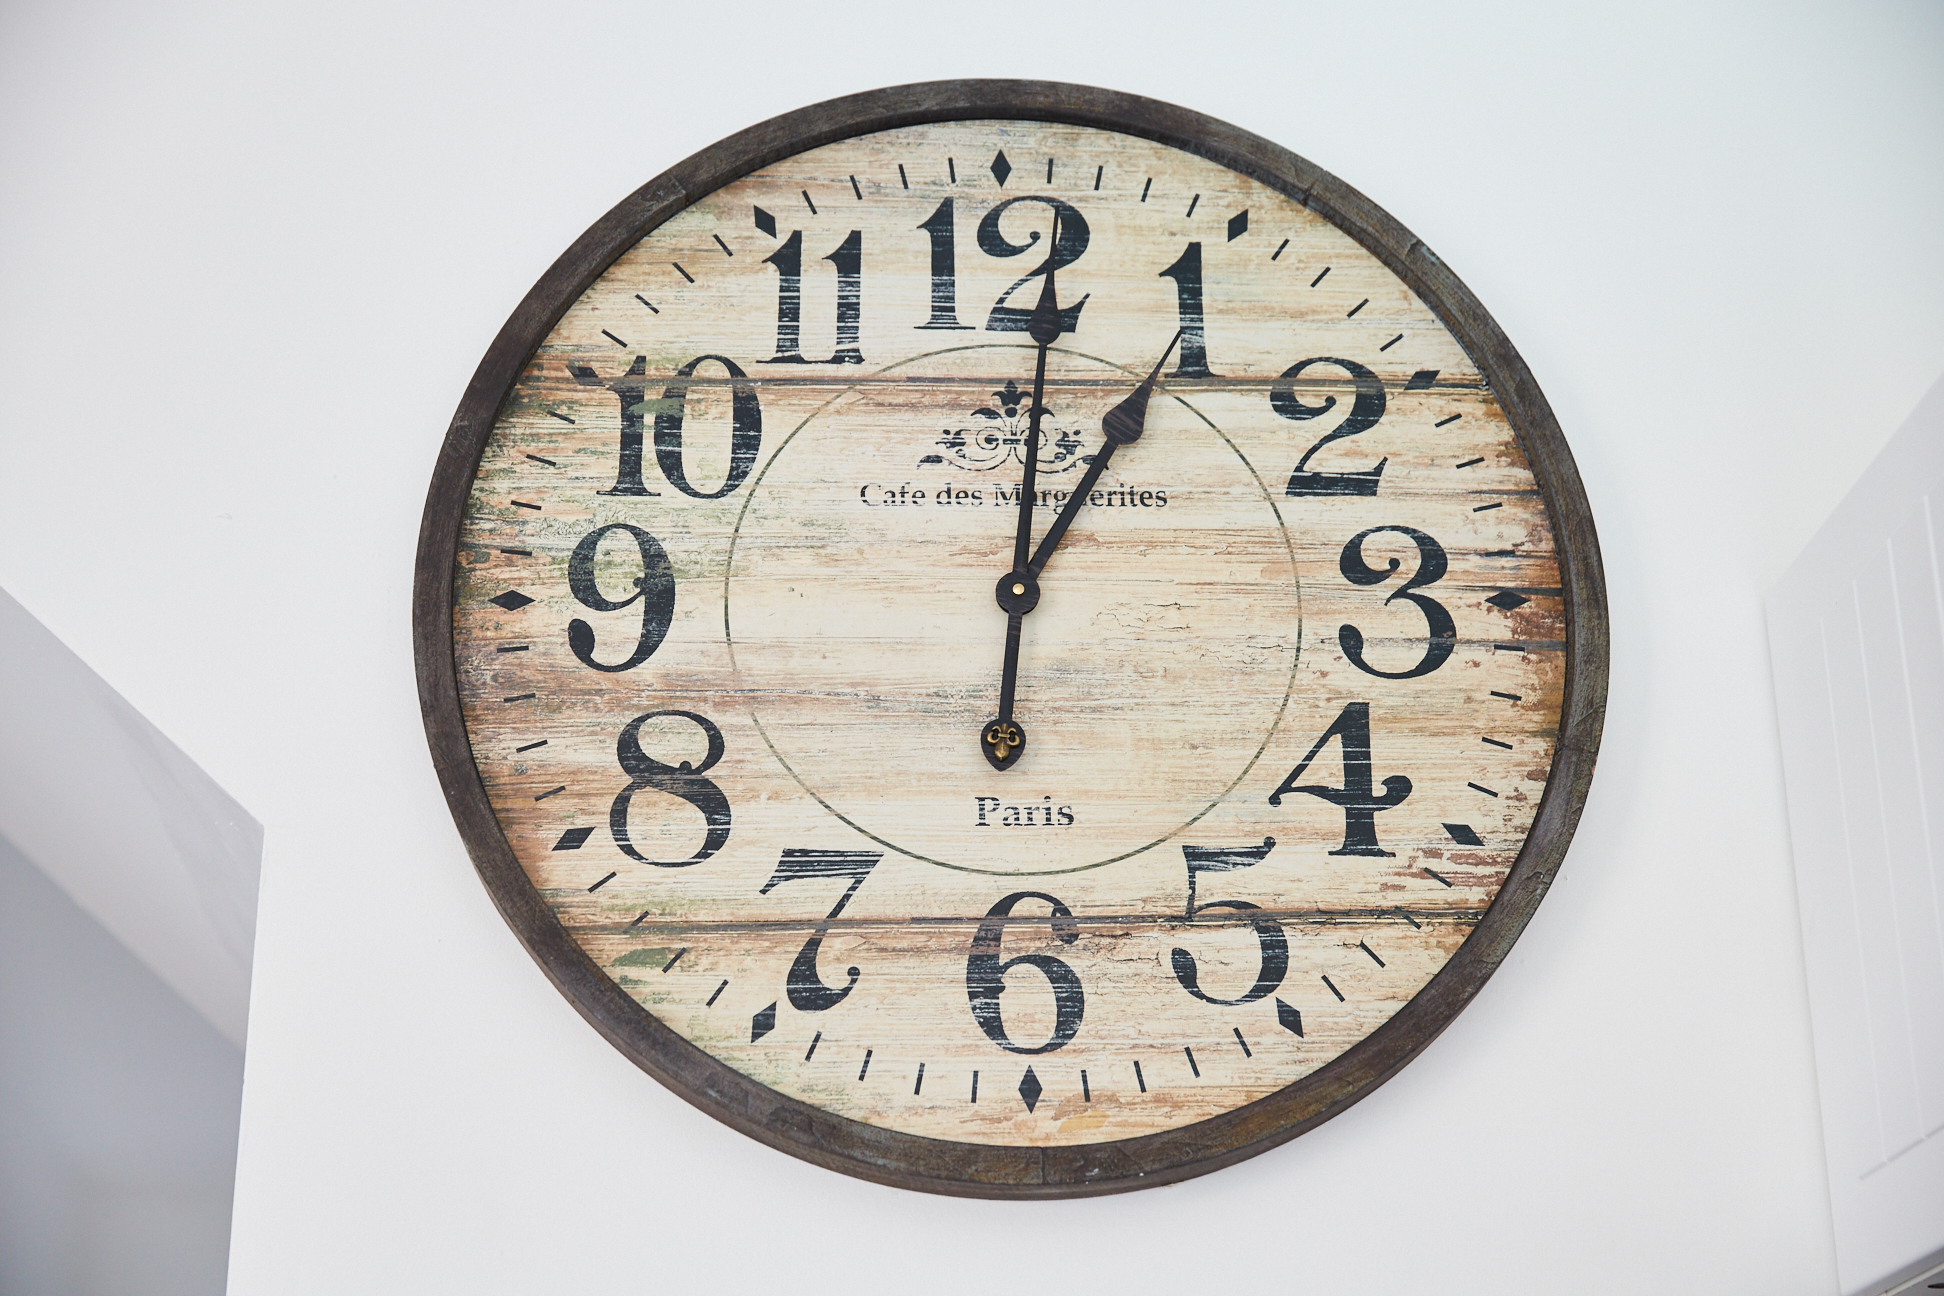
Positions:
(1002, 738)
(1122, 425)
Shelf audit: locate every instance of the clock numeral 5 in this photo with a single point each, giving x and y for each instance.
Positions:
(1356, 798)
(1365, 412)
(683, 780)
(745, 426)
(1269, 932)
(807, 991)
(985, 975)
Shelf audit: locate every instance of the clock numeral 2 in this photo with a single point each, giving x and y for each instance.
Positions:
(685, 781)
(788, 260)
(1356, 798)
(1365, 412)
(807, 991)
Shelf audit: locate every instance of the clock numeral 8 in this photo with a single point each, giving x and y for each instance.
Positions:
(985, 975)
(682, 780)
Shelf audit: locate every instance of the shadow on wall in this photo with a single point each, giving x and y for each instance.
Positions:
(125, 945)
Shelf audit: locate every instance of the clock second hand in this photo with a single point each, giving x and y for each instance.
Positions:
(1002, 738)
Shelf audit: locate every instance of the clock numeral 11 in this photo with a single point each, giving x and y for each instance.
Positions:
(788, 260)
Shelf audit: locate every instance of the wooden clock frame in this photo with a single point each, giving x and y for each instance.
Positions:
(972, 1169)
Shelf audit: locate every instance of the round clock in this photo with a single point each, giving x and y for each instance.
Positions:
(1010, 639)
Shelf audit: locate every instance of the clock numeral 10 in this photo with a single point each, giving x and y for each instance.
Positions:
(788, 260)
(745, 425)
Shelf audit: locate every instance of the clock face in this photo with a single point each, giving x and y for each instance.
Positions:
(813, 780)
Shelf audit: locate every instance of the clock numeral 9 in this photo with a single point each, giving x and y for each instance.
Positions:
(807, 991)
(745, 426)
(1431, 567)
(1356, 798)
(985, 975)
(1365, 412)
(1269, 932)
(654, 590)
(682, 780)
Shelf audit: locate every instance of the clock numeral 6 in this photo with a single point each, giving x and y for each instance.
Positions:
(1269, 932)
(1356, 798)
(682, 780)
(745, 425)
(654, 589)
(807, 991)
(1365, 412)
(985, 975)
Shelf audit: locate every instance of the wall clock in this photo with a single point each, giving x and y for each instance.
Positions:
(1010, 639)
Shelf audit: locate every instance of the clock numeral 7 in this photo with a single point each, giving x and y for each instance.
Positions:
(1356, 798)
(684, 780)
(1269, 932)
(985, 975)
(745, 425)
(807, 991)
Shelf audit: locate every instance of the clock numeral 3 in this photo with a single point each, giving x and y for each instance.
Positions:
(745, 426)
(788, 260)
(807, 991)
(1431, 567)
(1269, 932)
(985, 975)
(683, 780)
(1356, 798)
(1365, 412)
(654, 590)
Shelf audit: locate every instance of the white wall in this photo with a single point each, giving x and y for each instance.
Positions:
(249, 256)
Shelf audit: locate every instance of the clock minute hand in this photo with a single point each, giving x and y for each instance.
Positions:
(1002, 738)
(1122, 425)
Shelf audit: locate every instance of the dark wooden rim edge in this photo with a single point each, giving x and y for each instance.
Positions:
(966, 1169)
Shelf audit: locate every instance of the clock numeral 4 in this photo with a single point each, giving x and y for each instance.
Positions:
(985, 975)
(683, 780)
(807, 991)
(1365, 412)
(1356, 798)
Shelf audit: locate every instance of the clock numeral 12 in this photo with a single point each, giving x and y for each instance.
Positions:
(788, 260)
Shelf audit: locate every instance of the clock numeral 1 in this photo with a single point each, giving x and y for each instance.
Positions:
(944, 270)
(1187, 274)
(788, 260)
(807, 991)
(1356, 798)
(1269, 932)
(1364, 415)
(985, 975)
(686, 781)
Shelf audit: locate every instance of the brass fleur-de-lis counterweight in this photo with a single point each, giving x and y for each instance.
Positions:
(1002, 738)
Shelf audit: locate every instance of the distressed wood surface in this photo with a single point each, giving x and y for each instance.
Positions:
(833, 620)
